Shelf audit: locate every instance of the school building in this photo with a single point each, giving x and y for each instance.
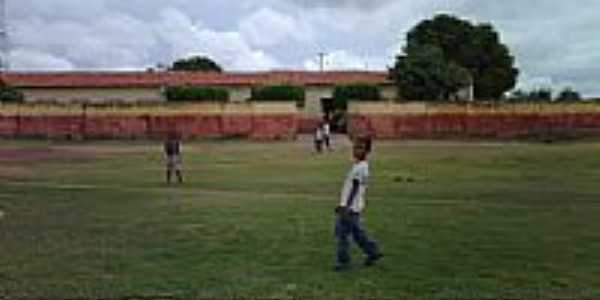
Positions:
(149, 85)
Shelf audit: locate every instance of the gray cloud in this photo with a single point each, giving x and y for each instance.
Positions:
(352, 4)
(554, 41)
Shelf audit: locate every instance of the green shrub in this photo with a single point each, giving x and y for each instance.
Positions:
(196, 93)
(279, 93)
(568, 95)
(358, 91)
(10, 94)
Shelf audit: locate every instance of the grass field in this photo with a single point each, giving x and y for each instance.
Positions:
(455, 220)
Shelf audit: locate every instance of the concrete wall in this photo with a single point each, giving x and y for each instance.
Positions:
(92, 94)
(239, 94)
(274, 121)
(389, 92)
(307, 123)
(424, 121)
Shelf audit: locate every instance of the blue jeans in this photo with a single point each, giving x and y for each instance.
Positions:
(351, 225)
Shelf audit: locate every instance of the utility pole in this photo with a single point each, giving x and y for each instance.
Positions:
(4, 38)
(322, 61)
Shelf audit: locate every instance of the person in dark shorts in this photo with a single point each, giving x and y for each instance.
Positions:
(348, 212)
(173, 150)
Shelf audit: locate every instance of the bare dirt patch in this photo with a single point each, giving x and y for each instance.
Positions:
(41, 154)
(25, 154)
(108, 150)
(15, 172)
(21, 163)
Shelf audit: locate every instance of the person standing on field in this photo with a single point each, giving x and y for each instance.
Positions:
(318, 139)
(173, 150)
(327, 134)
(351, 206)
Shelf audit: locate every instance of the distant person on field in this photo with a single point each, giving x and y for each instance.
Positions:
(319, 139)
(327, 134)
(173, 149)
(350, 208)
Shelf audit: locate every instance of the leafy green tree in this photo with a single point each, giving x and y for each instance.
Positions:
(424, 74)
(196, 64)
(568, 94)
(475, 47)
(541, 94)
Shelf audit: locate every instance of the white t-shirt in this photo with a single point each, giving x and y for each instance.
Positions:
(326, 129)
(319, 134)
(360, 172)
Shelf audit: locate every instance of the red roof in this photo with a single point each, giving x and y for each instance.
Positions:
(156, 79)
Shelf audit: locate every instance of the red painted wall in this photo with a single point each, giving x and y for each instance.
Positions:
(308, 123)
(263, 126)
(287, 126)
(495, 126)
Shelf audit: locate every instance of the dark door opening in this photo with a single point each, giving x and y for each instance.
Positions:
(327, 108)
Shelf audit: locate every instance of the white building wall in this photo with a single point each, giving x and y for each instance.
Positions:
(314, 94)
(93, 94)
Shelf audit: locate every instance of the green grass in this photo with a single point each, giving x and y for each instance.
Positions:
(456, 221)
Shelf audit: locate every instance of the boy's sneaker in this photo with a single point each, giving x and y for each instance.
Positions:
(371, 260)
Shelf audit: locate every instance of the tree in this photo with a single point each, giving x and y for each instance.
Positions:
(541, 94)
(476, 48)
(424, 74)
(196, 64)
(568, 94)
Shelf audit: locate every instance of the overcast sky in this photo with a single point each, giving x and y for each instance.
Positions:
(555, 42)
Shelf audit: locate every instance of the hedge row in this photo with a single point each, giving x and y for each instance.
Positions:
(358, 91)
(196, 93)
(279, 93)
(10, 94)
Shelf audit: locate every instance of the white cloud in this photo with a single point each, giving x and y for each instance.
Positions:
(267, 27)
(345, 60)
(120, 41)
(229, 48)
(23, 59)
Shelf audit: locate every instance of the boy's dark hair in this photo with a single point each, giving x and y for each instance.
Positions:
(364, 143)
(362, 147)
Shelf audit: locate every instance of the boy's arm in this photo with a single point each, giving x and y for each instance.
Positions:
(353, 193)
(351, 196)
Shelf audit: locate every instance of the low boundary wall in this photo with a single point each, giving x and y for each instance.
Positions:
(490, 121)
(272, 121)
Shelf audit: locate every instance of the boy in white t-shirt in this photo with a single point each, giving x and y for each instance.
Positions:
(352, 203)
